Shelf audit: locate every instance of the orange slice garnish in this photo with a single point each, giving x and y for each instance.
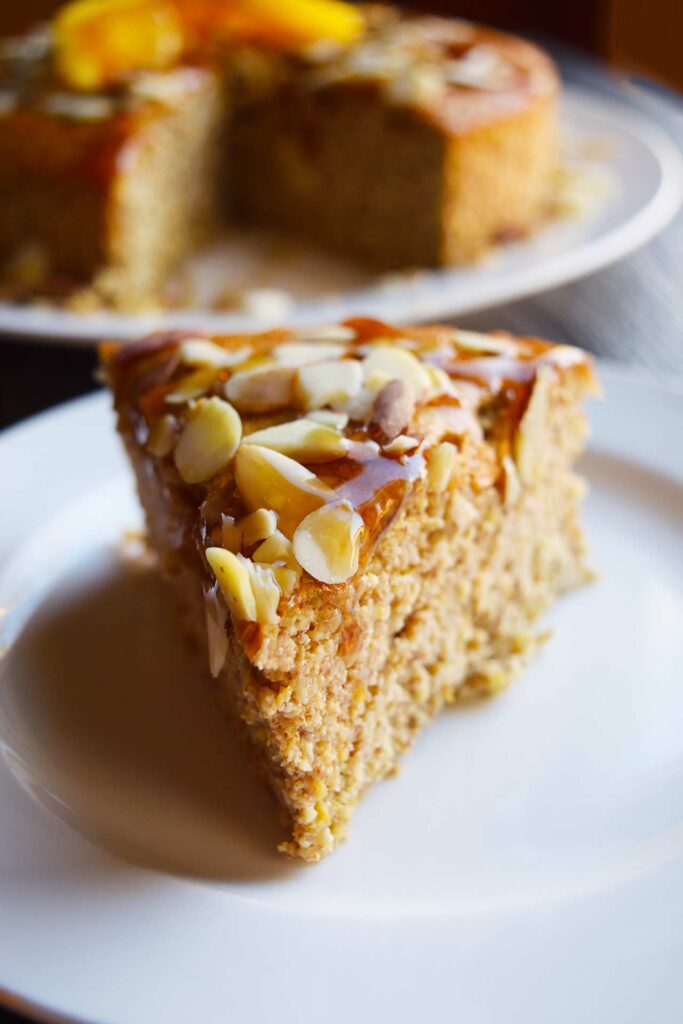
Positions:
(99, 43)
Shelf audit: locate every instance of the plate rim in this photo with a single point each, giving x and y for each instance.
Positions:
(30, 324)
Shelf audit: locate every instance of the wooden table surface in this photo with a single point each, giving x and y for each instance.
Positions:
(631, 313)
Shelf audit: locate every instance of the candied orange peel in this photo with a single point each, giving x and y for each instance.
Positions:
(99, 43)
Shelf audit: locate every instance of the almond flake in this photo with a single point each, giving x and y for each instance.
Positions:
(162, 436)
(530, 439)
(231, 534)
(327, 543)
(193, 385)
(303, 439)
(401, 444)
(258, 525)
(217, 638)
(234, 581)
(201, 352)
(268, 477)
(262, 389)
(340, 420)
(440, 463)
(292, 353)
(208, 441)
(398, 364)
(329, 383)
(487, 344)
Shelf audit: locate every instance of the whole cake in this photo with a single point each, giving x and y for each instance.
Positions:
(398, 140)
(363, 524)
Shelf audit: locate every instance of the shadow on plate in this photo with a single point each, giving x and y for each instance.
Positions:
(102, 706)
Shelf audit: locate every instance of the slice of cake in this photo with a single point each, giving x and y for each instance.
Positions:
(399, 141)
(363, 524)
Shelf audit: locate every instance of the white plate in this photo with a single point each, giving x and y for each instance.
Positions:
(645, 175)
(525, 865)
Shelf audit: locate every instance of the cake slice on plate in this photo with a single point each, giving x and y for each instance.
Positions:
(363, 524)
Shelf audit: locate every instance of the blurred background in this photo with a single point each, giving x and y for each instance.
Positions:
(640, 37)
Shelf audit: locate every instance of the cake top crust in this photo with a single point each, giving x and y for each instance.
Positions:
(298, 448)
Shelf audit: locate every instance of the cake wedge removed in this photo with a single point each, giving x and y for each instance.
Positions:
(362, 523)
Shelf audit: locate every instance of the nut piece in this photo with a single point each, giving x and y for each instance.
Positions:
(292, 353)
(208, 441)
(327, 543)
(278, 552)
(162, 436)
(330, 332)
(327, 383)
(340, 420)
(286, 578)
(231, 534)
(512, 486)
(262, 389)
(201, 352)
(304, 440)
(265, 589)
(530, 439)
(258, 525)
(398, 364)
(401, 444)
(487, 344)
(234, 581)
(288, 488)
(392, 410)
(215, 631)
(193, 385)
(440, 466)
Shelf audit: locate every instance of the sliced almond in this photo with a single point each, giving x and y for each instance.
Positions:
(331, 332)
(231, 534)
(278, 552)
(486, 344)
(329, 383)
(276, 548)
(234, 581)
(268, 477)
(266, 592)
(208, 441)
(258, 525)
(204, 353)
(296, 354)
(327, 543)
(441, 382)
(401, 444)
(440, 463)
(392, 410)
(287, 578)
(162, 436)
(193, 385)
(398, 364)
(217, 638)
(262, 389)
(339, 420)
(530, 439)
(304, 440)
(512, 486)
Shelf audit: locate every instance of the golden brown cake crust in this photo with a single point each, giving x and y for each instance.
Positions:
(467, 529)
